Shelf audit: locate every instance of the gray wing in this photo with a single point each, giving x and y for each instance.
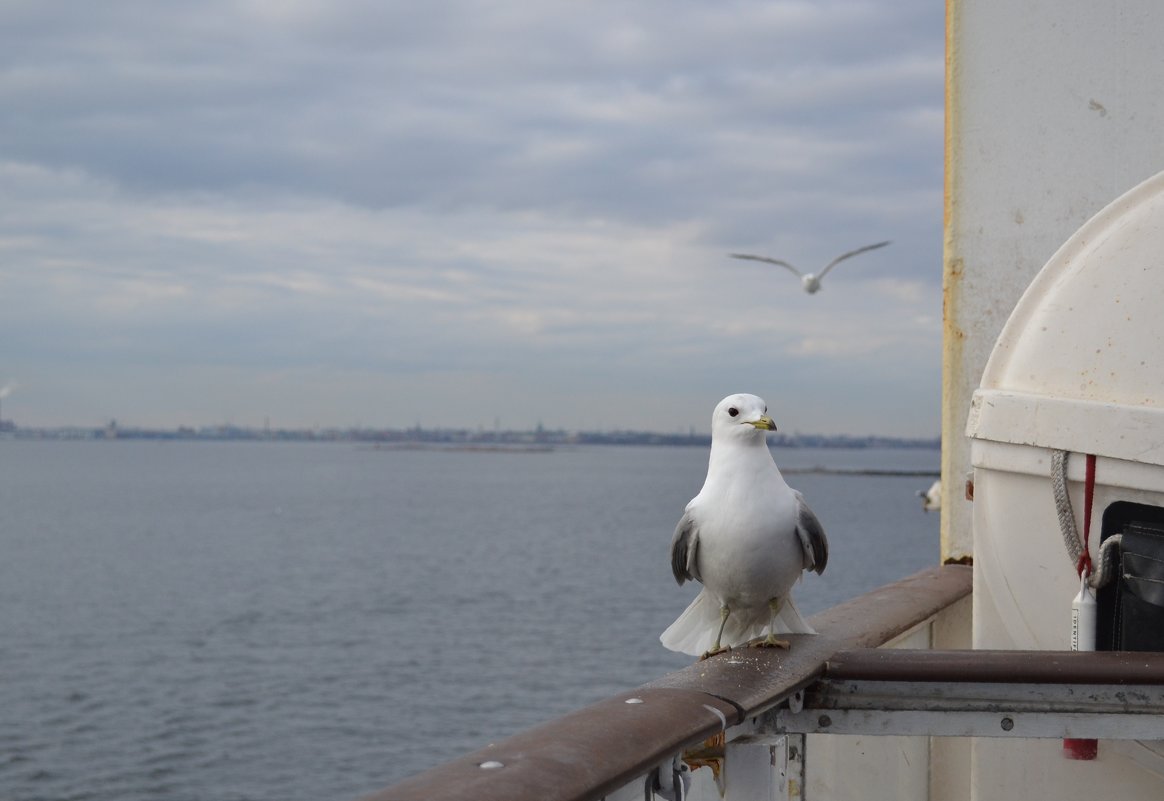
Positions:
(844, 256)
(812, 537)
(764, 259)
(684, 550)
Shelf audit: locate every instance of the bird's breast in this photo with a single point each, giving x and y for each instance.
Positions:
(748, 547)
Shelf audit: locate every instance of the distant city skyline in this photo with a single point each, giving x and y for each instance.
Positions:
(377, 214)
(9, 424)
(448, 436)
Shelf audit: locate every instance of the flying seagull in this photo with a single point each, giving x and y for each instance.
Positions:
(747, 537)
(810, 281)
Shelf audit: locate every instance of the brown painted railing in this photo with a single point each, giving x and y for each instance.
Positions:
(591, 752)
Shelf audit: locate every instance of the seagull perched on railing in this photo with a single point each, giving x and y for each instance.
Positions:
(810, 281)
(747, 537)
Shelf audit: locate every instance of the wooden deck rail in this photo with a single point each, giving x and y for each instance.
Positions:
(591, 752)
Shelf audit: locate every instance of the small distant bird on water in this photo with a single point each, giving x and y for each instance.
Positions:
(810, 281)
(931, 498)
(747, 537)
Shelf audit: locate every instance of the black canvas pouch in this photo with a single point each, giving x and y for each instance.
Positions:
(1141, 590)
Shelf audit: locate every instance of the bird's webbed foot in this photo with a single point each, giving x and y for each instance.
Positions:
(771, 642)
(719, 649)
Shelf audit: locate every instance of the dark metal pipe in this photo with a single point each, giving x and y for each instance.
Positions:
(1011, 667)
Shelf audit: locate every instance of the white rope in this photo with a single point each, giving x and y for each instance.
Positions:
(1063, 506)
(1102, 568)
(1105, 565)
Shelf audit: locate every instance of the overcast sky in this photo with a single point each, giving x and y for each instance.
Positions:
(466, 214)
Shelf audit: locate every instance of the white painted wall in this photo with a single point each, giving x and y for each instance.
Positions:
(1054, 109)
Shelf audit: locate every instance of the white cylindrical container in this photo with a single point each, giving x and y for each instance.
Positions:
(1083, 616)
(1077, 368)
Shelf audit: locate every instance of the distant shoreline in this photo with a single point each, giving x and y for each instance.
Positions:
(458, 447)
(419, 438)
(857, 471)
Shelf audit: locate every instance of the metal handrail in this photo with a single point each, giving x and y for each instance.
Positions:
(1011, 667)
(593, 751)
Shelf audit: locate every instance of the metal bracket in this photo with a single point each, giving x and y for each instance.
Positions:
(670, 780)
(973, 709)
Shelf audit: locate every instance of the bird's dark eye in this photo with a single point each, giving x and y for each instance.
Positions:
(765, 410)
(733, 411)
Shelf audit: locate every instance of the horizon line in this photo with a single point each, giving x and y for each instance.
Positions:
(418, 432)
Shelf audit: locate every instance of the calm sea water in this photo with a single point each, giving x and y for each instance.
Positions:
(283, 621)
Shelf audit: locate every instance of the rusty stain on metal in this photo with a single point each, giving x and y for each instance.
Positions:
(709, 754)
(956, 542)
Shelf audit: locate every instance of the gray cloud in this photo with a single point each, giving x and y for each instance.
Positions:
(520, 198)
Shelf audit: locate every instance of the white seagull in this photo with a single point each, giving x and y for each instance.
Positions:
(747, 537)
(931, 498)
(810, 281)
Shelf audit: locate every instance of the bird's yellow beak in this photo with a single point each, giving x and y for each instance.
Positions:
(764, 423)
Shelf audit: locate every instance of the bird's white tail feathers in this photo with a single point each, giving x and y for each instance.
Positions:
(694, 630)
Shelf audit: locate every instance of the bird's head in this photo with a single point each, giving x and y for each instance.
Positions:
(810, 283)
(741, 417)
